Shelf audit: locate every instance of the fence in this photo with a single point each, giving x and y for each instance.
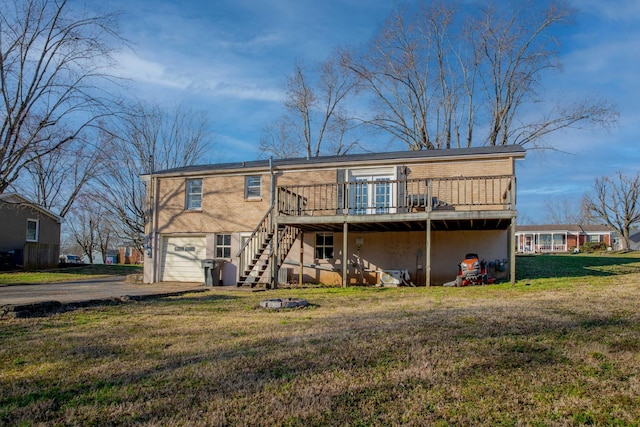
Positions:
(40, 255)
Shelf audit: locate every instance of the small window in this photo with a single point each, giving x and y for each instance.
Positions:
(253, 184)
(223, 246)
(194, 193)
(324, 246)
(33, 230)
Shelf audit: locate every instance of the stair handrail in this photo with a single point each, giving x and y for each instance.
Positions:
(288, 230)
(265, 219)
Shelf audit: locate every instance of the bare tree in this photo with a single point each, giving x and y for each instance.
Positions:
(316, 120)
(562, 210)
(150, 138)
(82, 224)
(395, 70)
(439, 74)
(518, 48)
(56, 179)
(105, 233)
(54, 80)
(616, 203)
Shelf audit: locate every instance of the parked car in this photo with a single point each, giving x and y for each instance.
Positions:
(70, 259)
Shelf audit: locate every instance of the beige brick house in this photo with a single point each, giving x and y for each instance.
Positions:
(361, 218)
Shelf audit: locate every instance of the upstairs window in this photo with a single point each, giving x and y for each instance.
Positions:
(253, 187)
(33, 230)
(223, 246)
(194, 194)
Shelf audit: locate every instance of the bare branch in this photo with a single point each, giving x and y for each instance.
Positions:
(54, 79)
(615, 202)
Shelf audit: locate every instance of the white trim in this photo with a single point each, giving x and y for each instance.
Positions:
(189, 194)
(216, 246)
(37, 222)
(246, 187)
(372, 175)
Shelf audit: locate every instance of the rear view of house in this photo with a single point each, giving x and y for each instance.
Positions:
(337, 220)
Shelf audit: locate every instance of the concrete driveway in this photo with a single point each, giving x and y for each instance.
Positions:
(15, 298)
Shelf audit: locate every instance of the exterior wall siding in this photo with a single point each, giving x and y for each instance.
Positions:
(224, 207)
(13, 236)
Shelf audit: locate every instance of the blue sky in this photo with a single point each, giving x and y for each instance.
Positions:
(229, 57)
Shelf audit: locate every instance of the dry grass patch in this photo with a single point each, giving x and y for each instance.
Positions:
(545, 354)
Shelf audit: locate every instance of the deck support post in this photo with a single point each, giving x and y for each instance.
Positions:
(427, 257)
(345, 257)
(301, 264)
(512, 251)
(274, 255)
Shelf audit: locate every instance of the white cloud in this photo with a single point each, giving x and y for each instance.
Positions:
(619, 10)
(137, 69)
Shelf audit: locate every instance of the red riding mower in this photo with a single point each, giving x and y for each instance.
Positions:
(472, 271)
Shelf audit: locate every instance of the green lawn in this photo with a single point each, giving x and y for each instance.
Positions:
(66, 274)
(561, 347)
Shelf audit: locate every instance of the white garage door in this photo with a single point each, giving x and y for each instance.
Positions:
(181, 258)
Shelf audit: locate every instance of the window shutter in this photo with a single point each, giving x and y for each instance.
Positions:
(340, 196)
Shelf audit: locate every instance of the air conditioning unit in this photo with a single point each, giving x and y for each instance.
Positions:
(283, 275)
(391, 277)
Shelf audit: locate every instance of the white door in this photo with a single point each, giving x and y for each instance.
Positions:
(372, 195)
(181, 258)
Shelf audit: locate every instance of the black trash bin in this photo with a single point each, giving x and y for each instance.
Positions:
(208, 265)
(212, 269)
(216, 271)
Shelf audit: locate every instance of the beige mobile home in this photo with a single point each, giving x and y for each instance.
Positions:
(354, 219)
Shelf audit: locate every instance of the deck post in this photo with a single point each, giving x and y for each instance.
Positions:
(345, 257)
(274, 255)
(427, 257)
(301, 264)
(512, 251)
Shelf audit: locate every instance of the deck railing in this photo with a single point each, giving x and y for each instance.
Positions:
(384, 196)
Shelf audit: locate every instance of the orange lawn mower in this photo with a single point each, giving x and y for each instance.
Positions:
(472, 272)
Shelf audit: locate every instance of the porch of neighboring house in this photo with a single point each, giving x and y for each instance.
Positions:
(559, 238)
(546, 242)
(439, 219)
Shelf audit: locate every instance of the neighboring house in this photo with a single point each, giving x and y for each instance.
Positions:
(634, 241)
(29, 235)
(334, 220)
(129, 254)
(555, 238)
(112, 257)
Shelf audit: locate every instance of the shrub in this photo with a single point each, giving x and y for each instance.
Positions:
(593, 247)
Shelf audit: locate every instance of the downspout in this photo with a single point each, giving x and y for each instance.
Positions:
(154, 231)
(272, 189)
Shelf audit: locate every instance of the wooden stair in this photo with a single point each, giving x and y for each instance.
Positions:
(258, 250)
